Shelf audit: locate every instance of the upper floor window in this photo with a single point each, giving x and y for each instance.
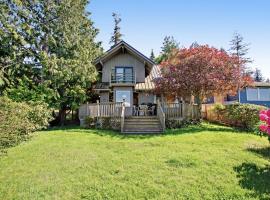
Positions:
(258, 94)
(122, 75)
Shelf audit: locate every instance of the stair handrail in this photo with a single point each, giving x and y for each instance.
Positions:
(123, 116)
(161, 116)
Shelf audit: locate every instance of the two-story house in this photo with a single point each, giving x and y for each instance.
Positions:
(126, 75)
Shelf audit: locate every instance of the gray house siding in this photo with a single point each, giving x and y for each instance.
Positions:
(144, 97)
(126, 60)
(104, 97)
(243, 99)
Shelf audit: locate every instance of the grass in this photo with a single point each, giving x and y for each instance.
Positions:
(198, 162)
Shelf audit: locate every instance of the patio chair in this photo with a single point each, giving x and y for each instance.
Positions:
(151, 110)
(143, 110)
(135, 111)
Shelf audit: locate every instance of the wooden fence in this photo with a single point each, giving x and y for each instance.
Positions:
(180, 110)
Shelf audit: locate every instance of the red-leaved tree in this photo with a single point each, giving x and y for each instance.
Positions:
(201, 71)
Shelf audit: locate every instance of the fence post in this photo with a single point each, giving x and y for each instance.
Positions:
(183, 109)
(87, 109)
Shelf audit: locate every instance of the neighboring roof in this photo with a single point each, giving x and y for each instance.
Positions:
(149, 84)
(122, 46)
(102, 86)
(261, 84)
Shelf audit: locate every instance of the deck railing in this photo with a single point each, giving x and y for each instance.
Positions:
(109, 109)
(180, 110)
(117, 110)
(122, 78)
(123, 117)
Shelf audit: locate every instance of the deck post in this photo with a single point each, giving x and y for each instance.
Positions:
(98, 108)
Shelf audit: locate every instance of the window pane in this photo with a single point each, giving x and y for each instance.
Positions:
(123, 94)
(119, 74)
(128, 74)
(264, 94)
(252, 94)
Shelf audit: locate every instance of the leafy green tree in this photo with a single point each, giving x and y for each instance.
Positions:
(17, 30)
(55, 46)
(169, 44)
(116, 36)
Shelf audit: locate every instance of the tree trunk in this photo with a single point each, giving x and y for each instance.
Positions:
(62, 116)
(199, 102)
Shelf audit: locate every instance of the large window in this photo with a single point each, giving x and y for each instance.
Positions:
(123, 75)
(120, 95)
(258, 94)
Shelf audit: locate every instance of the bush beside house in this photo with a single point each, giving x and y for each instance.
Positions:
(18, 120)
(102, 122)
(244, 116)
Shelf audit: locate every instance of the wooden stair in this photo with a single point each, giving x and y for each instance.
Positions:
(142, 124)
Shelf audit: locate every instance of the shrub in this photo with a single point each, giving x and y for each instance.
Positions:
(240, 115)
(176, 123)
(39, 115)
(102, 122)
(90, 122)
(17, 120)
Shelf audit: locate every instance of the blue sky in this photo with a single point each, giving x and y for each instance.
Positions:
(146, 22)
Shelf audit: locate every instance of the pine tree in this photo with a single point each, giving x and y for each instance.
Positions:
(258, 77)
(116, 36)
(194, 44)
(169, 44)
(152, 55)
(267, 80)
(239, 47)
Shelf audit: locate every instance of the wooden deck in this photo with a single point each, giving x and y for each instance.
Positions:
(164, 110)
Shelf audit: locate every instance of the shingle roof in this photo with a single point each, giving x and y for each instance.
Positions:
(149, 84)
(101, 86)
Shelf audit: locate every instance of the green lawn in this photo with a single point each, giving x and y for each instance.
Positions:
(207, 162)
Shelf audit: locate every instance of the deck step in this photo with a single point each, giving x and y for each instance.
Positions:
(142, 124)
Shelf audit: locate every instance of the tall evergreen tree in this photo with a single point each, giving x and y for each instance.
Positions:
(116, 36)
(152, 55)
(257, 75)
(57, 39)
(16, 30)
(169, 44)
(239, 47)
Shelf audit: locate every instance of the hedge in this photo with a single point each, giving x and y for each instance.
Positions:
(244, 116)
(18, 120)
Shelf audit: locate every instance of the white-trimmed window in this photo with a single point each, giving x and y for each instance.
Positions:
(258, 94)
(120, 95)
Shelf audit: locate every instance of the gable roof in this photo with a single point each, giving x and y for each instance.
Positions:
(122, 46)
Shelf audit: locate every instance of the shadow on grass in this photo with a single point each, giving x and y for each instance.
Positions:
(192, 129)
(255, 178)
(261, 151)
